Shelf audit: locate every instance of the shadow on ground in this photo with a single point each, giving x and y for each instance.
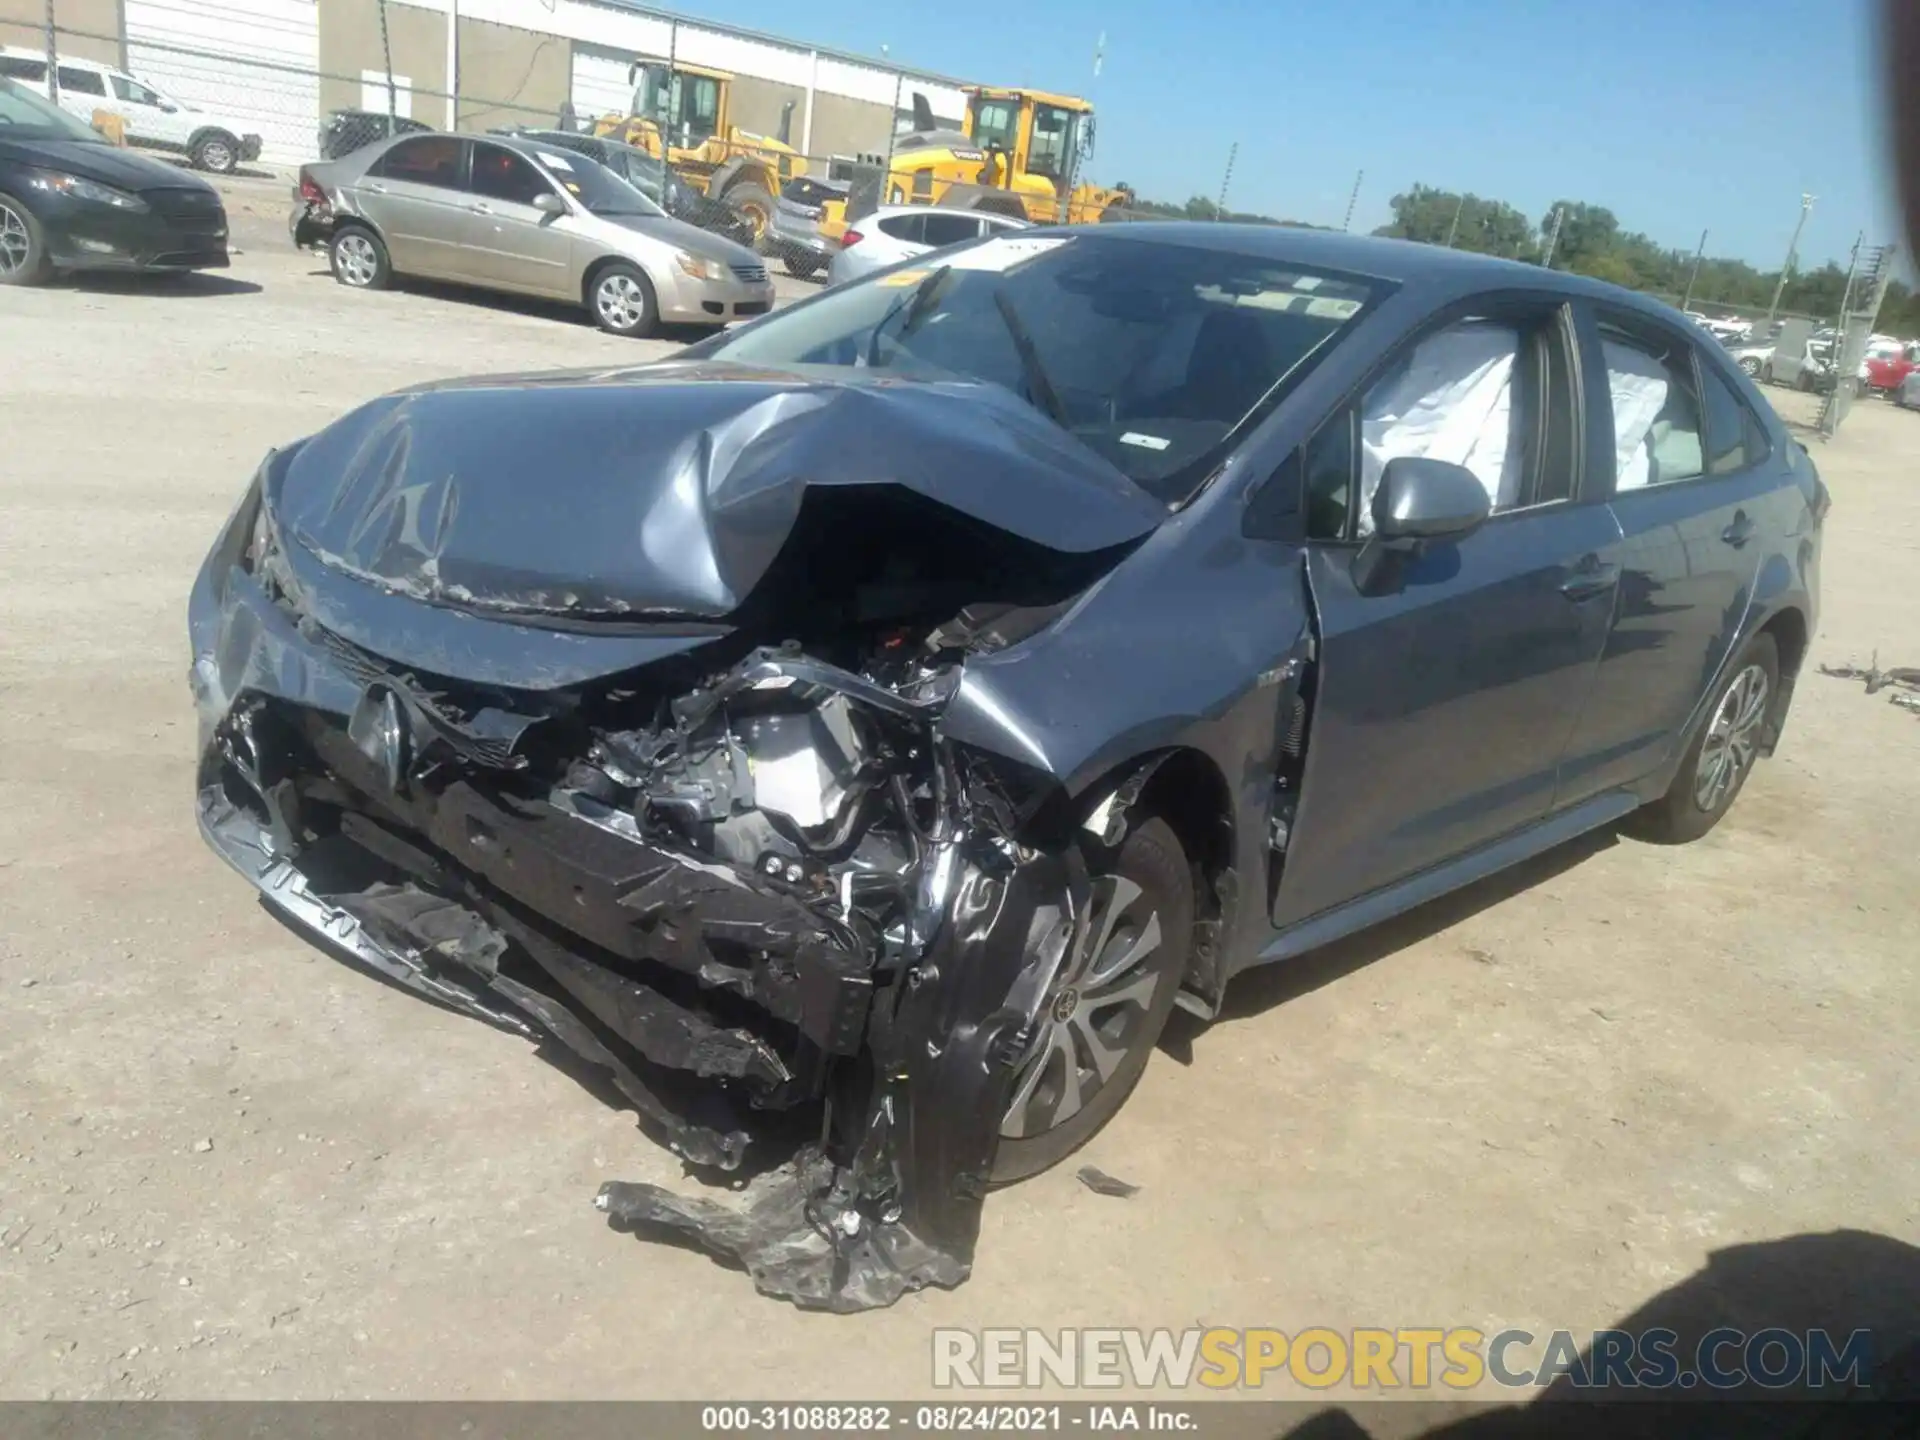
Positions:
(165, 285)
(1838, 1283)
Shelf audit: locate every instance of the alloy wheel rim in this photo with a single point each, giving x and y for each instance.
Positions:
(217, 155)
(357, 263)
(1732, 737)
(1092, 1016)
(621, 302)
(15, 243)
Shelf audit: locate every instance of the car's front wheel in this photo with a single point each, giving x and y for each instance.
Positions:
(1722, 754)
(23, 249)
(358, 258)
(1104, 1013)
(622, 300)
(1751, 366)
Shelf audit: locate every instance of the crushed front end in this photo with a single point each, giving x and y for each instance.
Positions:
(802, 932)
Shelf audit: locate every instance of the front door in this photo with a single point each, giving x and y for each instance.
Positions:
(416, 196)
(1443, 703)
(150, 115)
(1690, 494)
(514, 245)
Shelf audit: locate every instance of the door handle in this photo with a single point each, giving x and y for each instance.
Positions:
(1740, 531)
(1590, 578)
(480, 207)
(376, 188)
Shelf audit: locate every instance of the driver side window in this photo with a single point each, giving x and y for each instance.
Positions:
(1494, 395)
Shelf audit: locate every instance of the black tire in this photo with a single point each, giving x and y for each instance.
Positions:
(1151, 863)
(622, 301)
(801, 265)
(359, 258)
(1766, 373)
(1692, 806)
(23, 245)
(215, 151)
(753, 203)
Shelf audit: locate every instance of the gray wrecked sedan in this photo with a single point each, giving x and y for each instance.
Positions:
(857, 735)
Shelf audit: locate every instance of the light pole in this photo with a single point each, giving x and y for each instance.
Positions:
(1694, 273)
(1454, 228)
(1793, 246)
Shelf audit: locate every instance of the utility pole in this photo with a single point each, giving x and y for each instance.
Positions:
(1454, 228)
(1793, 247)
(1352, 200)
(386, 59)
(1694, 273)
(1553, 239)
(1233, 151)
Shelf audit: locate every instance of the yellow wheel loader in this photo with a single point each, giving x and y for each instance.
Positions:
(1017, 154)
(682, 114)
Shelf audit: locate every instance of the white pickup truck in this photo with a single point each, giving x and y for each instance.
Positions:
(154, 121)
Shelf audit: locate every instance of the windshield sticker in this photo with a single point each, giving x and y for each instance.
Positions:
(1145, 442)
(1006, 251)
(554, 162)
(901, 279)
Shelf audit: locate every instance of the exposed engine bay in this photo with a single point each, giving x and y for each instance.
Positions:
(806, 931)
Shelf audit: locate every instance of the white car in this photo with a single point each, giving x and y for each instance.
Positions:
(212, 141)
(900, 232)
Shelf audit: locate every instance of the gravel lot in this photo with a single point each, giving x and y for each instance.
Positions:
(231, 1167)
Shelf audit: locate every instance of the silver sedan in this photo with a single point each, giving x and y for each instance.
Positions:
(512, 214)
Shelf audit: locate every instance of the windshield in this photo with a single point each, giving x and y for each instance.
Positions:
(1155, 356)
(25, 116)
(592, 184)
(1055, 139)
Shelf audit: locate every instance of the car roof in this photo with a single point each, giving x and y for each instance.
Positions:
(1403, 262)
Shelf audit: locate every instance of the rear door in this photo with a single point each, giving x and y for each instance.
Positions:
(1691, 490)
(415, 195)
(513, 245)
(83, 91)
(1443, 705)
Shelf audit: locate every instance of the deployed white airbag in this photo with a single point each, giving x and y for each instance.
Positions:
(1638, 384)
(1452, 401)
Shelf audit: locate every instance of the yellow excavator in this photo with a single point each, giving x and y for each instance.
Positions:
(1016, 154)
(682, 114)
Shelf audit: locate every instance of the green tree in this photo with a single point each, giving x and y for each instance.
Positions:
(1586, 231)
(1491, 227)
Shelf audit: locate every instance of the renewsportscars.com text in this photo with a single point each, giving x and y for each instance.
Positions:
(1416, 1358)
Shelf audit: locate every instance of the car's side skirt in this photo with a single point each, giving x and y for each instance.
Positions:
(1511, 849)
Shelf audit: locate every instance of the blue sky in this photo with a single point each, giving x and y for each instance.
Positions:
(1680, 115)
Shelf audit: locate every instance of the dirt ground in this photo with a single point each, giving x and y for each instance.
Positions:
(232, 1167)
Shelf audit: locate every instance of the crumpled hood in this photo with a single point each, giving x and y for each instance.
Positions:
(666, 490)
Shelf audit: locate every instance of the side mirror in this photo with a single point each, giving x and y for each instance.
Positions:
(549, 204)
(1421, 499)
(1417, 501)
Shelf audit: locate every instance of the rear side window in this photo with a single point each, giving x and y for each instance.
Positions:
(1657, 423)
(15, 68)
(1735, 437)
(427, 160)
(82, 82)
(502, 175)
(950, 229)
(905, 227)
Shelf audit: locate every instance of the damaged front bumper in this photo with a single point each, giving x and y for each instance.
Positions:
(401, 828)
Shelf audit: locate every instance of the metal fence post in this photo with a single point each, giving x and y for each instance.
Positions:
(53, 59)
(386, 54)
